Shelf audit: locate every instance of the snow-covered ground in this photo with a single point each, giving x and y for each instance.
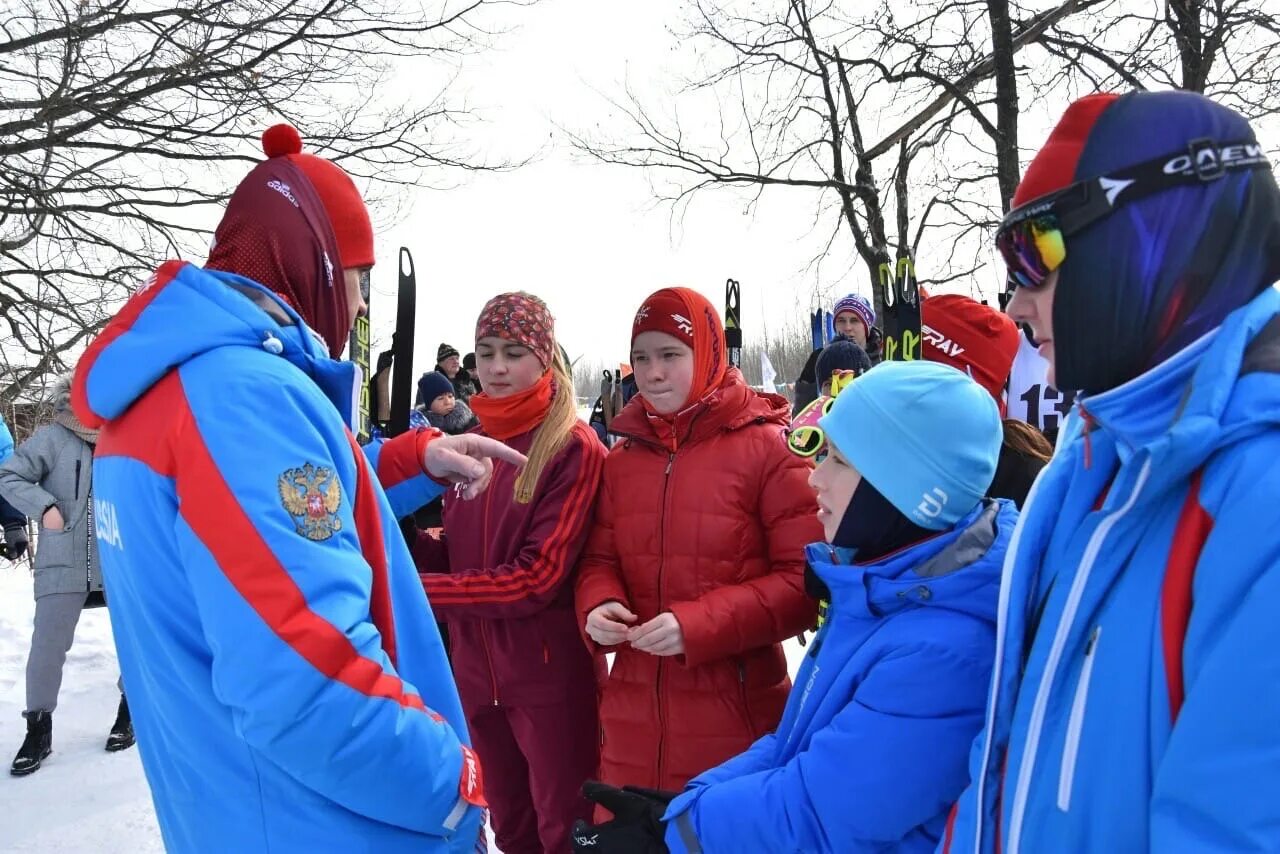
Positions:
(82, 799)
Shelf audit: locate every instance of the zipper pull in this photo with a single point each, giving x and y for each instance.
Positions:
(671, 461)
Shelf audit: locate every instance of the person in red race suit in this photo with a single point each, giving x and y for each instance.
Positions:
(501, 578)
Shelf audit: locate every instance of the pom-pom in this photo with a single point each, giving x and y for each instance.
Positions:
(280, 140)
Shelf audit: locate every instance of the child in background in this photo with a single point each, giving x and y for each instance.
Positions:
(440, 408)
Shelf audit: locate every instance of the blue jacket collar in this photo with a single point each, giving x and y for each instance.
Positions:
(958, 569)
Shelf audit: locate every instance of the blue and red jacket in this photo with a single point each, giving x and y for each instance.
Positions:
(1136, 690)
(285, 674)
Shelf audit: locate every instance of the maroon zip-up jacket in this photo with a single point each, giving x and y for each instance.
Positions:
(502, 578)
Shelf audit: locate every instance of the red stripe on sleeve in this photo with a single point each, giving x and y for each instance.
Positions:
(1193, 528)
(401, 458)
(207, 504)
(546, 570)
(369, 531)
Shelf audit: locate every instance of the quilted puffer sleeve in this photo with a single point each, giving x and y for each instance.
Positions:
(600, 571)
(734, 618)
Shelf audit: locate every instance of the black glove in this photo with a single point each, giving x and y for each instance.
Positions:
(15, 542)
(385, 358)
(636, 827)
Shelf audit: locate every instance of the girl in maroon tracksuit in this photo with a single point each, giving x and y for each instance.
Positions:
(502, 579)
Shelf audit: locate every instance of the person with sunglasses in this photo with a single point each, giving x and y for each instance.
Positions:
(1134, 699)
(873, 745)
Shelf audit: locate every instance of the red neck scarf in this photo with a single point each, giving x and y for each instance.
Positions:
(506, 417)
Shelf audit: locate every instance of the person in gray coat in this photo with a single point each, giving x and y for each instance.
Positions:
(49, 477)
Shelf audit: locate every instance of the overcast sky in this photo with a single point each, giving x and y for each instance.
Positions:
(585, 237)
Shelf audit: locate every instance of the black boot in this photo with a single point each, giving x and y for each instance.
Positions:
(37, 746)
(121, 736)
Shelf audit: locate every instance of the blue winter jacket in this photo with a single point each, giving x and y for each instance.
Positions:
(871, 751)
(287, 681)
(1136, 699)
(9, 515)
(6, 441)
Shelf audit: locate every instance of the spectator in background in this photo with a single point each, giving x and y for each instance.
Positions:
(855, 318)
(449, 363)
(440, 408)
(842, 354)
(469, 365)
(50, 477)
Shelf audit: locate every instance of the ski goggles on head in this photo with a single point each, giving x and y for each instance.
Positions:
(1032, 239)
(805, 438)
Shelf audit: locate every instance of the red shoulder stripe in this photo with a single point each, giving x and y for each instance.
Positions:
(550, 565)
(207, 504)
(1189, 536)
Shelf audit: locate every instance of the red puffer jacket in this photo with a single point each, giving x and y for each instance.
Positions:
(713, 531)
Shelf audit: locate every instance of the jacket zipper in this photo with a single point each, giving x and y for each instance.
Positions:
(76, 494)
(1040, 705)
(662, 566)
(484, 624)
(89, 533)
(746, 698)
(1075, 723)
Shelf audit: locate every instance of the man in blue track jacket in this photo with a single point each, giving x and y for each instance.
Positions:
(288, 684)
(1136, 691)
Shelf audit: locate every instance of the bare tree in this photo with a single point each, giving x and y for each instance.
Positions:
(124, 125)
(903, 119)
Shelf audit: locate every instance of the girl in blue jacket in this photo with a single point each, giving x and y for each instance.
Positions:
(1136, 691)
(871, 751)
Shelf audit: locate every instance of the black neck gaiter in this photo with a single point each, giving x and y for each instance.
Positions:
(874, 527)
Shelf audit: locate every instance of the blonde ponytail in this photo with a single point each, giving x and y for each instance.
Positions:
(553, 433)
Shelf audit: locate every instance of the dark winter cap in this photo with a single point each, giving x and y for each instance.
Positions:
(1161, 271)
(445, 352)
(469, 361)
(842, 354)
(432, 385)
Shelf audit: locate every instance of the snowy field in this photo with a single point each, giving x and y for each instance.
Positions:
(82, 799)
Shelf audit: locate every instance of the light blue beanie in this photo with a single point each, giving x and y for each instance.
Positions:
(925, 435)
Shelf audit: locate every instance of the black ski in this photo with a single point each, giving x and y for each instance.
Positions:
(901, 312)
(402, 346)
(733, 322)
(358, 352)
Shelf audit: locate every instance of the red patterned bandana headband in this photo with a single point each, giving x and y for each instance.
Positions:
(523, 318)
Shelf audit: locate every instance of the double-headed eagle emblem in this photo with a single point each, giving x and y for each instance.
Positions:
(311, 495)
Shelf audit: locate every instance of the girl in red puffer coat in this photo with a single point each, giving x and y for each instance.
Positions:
(694, 571)
(502, 580)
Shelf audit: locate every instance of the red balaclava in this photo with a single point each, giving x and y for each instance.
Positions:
(278, 231)
(689, 317)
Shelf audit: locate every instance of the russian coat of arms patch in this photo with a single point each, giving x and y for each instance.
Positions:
(311, 495)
